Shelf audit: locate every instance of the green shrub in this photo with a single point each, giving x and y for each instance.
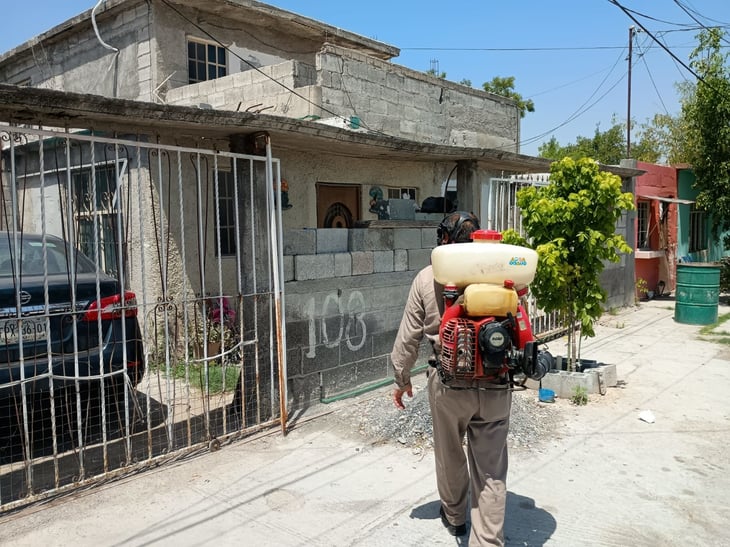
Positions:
(580, 396)
(725, 274)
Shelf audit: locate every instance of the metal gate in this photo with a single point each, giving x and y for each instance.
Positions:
(140, 305)
(499, 206)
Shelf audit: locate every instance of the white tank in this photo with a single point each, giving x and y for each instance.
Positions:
(485, 260)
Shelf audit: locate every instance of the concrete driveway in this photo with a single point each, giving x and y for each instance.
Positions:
(605, 478)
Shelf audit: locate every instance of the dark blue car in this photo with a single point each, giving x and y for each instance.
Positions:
(65, 326)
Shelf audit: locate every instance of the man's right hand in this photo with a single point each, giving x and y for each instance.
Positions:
(398, 396)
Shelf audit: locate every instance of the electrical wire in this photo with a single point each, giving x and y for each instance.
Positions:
(665, 48)
(691, 15)
(642, 56)
(585, 107)
(693, 10)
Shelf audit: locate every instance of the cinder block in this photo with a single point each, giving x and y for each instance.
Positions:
(407, 238)
(400, 260)
(610, 376)
(418, 258)
(428, 237)
(362, 263)
(332, 240)
(300, 242)
(382, 261)
(564, 383)
(288, 268)
(314, 267)
(371, 240)
(343, 265)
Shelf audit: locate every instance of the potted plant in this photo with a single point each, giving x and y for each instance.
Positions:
(217, 327)
(642, 289)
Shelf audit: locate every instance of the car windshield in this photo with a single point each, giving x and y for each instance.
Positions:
(31, 256)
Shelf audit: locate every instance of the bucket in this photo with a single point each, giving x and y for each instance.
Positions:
(697, 293)
(546, 395)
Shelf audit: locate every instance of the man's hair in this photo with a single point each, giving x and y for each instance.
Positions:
(458, 226)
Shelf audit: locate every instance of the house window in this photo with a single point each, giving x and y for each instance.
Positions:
(697, 229)
(97, 208)
(226, 232)
(402, 193)
(642, 228)
(206, 61)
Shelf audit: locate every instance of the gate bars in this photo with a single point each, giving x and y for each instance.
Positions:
(195, 234)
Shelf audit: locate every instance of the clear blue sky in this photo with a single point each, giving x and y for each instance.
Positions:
(568, 56)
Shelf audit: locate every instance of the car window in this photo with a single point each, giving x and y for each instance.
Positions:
(32, 257)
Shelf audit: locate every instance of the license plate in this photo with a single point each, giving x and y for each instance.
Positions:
(32, 329)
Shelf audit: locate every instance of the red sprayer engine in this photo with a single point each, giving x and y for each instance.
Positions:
(485, 332)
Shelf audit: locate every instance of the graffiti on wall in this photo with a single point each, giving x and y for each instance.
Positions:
(338, 319)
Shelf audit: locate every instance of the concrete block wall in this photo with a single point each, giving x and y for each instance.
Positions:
(411, 104)
(344, 296)
(254, 89)
(389, 98)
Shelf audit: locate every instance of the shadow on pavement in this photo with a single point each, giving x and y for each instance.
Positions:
(104, 450)
(525, 523)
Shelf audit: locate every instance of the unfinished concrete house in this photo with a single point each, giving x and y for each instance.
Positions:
(229, 154)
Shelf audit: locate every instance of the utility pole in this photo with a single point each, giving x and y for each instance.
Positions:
(628, 102)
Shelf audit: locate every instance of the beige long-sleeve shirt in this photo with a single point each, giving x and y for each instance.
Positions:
(421, 317)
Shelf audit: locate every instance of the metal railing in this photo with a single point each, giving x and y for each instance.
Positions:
(171, 341)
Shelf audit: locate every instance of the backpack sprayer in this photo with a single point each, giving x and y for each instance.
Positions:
(485, 331)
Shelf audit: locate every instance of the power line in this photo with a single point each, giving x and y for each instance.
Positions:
(585, 107)
(721, 23)
(523, 49)
(630, 16)
(688, 12)
(651, 78)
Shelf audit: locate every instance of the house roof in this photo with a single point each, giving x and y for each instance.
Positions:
(254, 13)
(73, 110)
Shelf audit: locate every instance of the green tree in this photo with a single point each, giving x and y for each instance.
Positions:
(667, 135)
(571, 223)
(707, 115)
(505, 87)
(607, 147)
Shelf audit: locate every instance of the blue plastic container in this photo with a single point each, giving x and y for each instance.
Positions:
(546, 395)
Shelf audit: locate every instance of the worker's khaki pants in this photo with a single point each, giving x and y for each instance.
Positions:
(484, 417)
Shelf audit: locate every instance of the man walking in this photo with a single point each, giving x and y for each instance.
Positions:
(478, 409)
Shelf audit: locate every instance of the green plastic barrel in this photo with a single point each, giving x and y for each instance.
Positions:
(697, 293)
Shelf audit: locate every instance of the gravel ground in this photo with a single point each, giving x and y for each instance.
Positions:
(375, 417)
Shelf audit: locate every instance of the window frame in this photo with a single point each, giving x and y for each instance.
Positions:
(225, 219)
(412, 192)
(106, 208)
(643, 221)
(220, 67)
(697, 229)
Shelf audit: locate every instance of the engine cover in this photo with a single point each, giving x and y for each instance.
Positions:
(473, 349)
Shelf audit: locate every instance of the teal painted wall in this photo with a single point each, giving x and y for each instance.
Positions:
(715, 250)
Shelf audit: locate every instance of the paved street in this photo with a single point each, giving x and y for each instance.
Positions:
(605, 478)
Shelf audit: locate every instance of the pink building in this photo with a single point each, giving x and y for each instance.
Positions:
(657, 213)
